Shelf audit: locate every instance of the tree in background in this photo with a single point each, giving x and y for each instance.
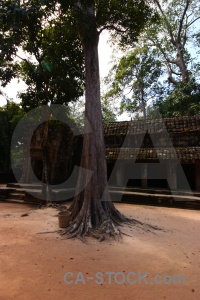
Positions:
(77, 110)
(134, 80)
(172, 36)
(108, 111)
(10, 114)
(183, 100)
(138, 78)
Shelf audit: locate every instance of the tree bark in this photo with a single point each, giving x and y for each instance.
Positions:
(46, 190)
(92, 211)
(143, 104)
(181, 64)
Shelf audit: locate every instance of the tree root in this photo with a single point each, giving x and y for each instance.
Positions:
(107, 229)
(94, 214)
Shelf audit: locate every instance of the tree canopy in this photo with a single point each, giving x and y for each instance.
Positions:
(172, 35)
(10, 114)
(52, 67)
(184, 99)
(162, 54)
(134, 80)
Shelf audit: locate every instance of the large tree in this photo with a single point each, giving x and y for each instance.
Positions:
(92, 211)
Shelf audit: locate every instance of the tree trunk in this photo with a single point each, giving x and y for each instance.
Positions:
(92, 211)
(46, 190)
(143, 104)
(181, 64)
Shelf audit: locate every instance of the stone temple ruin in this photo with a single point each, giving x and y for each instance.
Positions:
(172, 143)
(152, 156)
(62, 153)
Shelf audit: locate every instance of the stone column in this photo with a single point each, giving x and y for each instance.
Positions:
(197, 176)
(30, 170)
(144, 174)
(172, 174)
(120, 174)
(25, 178)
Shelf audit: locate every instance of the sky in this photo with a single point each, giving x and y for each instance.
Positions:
(105, 55)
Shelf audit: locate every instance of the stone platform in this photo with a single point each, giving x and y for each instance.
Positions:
(31, 193)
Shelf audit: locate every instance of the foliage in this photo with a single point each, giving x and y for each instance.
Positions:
(124, 19)
(108, 111)
(183, 100)
(53, 70)
(172, 36)
(162, 48)
(76, 111)
(10, 114)
(135, 80)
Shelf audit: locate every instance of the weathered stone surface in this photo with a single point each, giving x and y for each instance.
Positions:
(141, 140)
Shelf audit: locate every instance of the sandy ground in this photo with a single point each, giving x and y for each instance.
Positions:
(32, 265)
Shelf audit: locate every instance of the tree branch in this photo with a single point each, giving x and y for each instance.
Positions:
(163, 52)
(128, 92)
(181, 21)
(166, 22)
(192, 22)
(170, 77)
(112, 27)
(24, 59)
(176, 73)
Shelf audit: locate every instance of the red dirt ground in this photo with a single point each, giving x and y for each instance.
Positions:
(32, 265)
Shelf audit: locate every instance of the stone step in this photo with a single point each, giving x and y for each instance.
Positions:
(12, 185)
(31, 193)
(10, 200)
(24, 185)
(195, 205)
(153, 198)
(155, 191)
(18, 195)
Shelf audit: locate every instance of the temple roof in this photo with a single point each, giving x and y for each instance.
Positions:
(177, 124)
(186, 154)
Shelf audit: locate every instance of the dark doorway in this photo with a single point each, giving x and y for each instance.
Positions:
(37, 166)
(110, 167)
(189, 171)
(157, 175)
